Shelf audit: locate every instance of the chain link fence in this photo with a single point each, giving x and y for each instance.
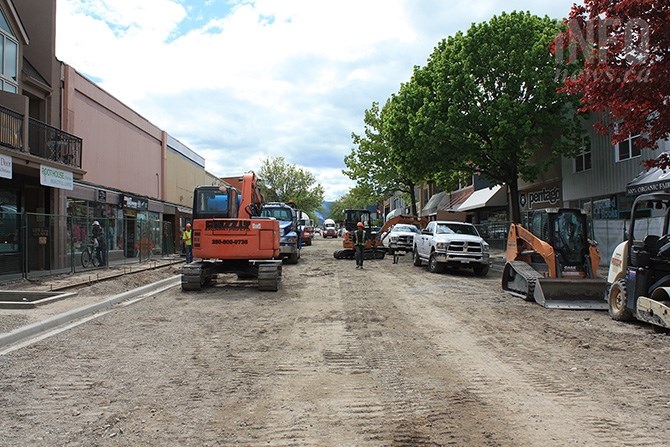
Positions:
(34, 245)
(607, 233)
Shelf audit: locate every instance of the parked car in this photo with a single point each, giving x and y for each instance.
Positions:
(452, 244)
(307, 235)
(400, 238)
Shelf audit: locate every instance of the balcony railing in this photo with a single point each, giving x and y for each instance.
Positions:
(11, 129)
(43, 140)
(54, 144)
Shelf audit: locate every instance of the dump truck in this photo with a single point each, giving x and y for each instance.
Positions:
(230, 236)
(554, 262)
(290, 239)
(638, 280)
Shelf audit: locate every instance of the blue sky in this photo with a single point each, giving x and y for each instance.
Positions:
(241, 81)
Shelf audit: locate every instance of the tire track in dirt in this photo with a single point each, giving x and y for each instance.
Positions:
(550, 378)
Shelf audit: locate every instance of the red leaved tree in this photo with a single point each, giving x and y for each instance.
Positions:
(621, 49)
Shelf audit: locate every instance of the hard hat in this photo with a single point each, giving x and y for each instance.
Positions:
(188, 225)
(95, 222)
(360, 224)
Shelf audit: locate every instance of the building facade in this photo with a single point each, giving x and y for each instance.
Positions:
(71, 153)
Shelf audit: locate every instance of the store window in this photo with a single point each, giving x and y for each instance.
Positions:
(9, 57)
(626, 149)
(583, 159)
(9, 222)
(82, 214)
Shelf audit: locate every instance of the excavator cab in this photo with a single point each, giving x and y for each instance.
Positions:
(353, 216)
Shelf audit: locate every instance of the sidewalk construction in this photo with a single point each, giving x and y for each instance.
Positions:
(66, 305)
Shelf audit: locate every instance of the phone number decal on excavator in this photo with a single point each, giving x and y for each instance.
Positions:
(230, 242)
(235, 225)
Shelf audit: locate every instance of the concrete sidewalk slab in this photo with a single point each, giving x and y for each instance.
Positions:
(34, 329)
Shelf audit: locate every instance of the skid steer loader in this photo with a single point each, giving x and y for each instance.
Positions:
(554, 263)
(639, 273)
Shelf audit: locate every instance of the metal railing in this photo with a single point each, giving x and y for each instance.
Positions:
(11, 129)
(54, 144)
(43, 140)
(36, 245)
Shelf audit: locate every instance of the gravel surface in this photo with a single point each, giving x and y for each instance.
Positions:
(390, 355)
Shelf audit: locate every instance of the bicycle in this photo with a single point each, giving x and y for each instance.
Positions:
(89, 256)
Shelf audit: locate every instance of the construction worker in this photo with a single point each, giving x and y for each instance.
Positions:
(188, 247)
(359, 244)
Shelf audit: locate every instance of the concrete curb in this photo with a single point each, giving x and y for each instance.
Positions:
(34, 329)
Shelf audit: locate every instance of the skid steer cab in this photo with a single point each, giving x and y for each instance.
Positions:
(554, 261)
(639, 272)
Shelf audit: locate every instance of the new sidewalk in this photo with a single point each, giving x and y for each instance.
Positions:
(19, 323)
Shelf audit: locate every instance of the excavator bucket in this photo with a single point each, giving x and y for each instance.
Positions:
(568, 293)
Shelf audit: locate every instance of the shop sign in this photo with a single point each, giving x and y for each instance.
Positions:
(102, 195)
(40, 231)
(56, 178)
(5, 166)
(544, 198)
(605, 208)
(135, 203)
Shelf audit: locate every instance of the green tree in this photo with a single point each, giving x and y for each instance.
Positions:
(283, 182)
(374, 164)
(494, 103)
(358, 197)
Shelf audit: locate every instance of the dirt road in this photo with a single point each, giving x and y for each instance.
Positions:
(386, 356)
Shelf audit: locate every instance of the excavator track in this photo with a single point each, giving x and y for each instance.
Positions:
(370, 253)
(268, 277)
(194, 276)
(344, 254)
(374, 253)
(520, 279)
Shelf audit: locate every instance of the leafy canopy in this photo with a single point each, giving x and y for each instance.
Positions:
(283, 182)
(622, 49)
(493, 102)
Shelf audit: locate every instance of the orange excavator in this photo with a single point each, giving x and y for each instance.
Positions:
(554, 262)
(374, 249)
(230, 236)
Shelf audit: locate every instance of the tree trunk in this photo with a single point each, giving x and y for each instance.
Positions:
(513, 201)
(412, 196)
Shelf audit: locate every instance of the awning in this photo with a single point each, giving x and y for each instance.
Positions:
(652, 180)
(430, 209)
(496, 196)
(395, 212)
(455, 200)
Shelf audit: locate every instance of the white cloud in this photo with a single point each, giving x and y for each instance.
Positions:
(287, 78)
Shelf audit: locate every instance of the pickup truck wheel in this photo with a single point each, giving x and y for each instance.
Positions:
(433, 265)
(481, 270)
(416, 258)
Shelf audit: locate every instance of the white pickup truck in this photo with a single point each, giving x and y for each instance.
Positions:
(452, 244)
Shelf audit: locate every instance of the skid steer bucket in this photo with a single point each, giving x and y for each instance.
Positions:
(567, 293)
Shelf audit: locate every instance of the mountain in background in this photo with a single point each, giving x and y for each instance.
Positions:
(323, 215)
